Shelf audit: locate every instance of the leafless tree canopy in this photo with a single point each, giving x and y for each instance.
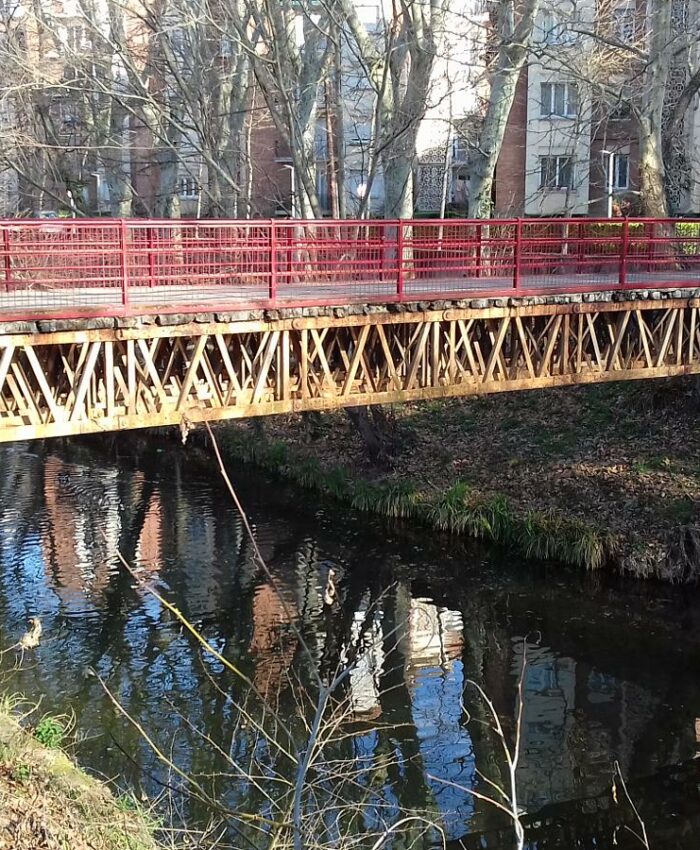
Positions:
(242, 108)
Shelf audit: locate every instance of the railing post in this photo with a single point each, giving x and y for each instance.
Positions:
(517, 253)
(479, 239)
(272, 291)
(579, 249)
(624, 246)
(399, 258)
(8, 257)
(151, 259)
(124, 262)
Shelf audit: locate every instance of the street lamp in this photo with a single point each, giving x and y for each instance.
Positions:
(610, 180)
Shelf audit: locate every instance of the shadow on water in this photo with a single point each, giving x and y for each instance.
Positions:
(612, 671)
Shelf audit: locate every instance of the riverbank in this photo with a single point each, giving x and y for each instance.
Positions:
(48, 803)
(598, 477)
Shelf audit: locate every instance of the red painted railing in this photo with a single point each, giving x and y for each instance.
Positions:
(107, 267)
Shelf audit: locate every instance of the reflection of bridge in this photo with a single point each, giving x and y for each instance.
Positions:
(113, 325)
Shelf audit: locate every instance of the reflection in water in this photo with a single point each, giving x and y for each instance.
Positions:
(609, 678)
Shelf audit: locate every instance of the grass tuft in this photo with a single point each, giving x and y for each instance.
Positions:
(398, 500)
(461, 510)
(541, 535)
(50, 732)
(550, 536)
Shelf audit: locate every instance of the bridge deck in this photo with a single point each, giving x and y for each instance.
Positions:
(37, 302)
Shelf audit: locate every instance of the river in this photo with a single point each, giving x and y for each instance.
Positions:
(611, 675)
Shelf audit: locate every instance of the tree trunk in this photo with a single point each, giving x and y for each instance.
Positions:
(512, 52)
(652, 172)
(398, 186)
(370, 431)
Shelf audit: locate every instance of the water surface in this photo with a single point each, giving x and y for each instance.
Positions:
(612, 669)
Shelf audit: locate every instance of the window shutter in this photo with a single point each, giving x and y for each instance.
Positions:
(560, 99)
(545, 99)
(573, 100)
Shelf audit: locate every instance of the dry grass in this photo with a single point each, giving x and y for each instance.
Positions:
(47, 803)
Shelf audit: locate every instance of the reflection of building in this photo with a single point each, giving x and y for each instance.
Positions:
(149, 549)
(573, 719)
(436, 683)
(435, 635)
(81, 535)
(367, 642)
(273, 643)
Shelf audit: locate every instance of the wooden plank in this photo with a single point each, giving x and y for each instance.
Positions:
(549, 349)
(616, 339)
(272, 342)
(356, 359)
(109, 378)
(234, 384)
(285, 377)
(395, 381)
(304, 364)
(417, 356)
(594, 342)
(679, 336)
(131, 376)
(525, 346)
(47, 392)
(84, 383)
(691, 335)
(496, 350)
(7, 355)
(190, 374)
(670, 322)
(644, 336)
(31, 407)
(435, 354)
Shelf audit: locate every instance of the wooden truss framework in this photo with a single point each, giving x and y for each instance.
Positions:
(62, 383)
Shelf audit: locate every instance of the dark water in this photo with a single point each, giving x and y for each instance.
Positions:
(613, 668)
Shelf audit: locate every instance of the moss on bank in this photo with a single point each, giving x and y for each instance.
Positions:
(48, 803)
(589, 476)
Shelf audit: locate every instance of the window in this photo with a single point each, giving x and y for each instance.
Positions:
(623, 23)
(188, 187)
(320, 143)
(460, 149)
(620, 111)
(621, 171)
(559, 99)
(555, 31)
(323, 190)
(556, 172)
(360, 135)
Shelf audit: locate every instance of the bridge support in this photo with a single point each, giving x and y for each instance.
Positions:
(87, 381)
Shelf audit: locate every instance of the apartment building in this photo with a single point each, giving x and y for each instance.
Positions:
(346, 145)
(566, 152)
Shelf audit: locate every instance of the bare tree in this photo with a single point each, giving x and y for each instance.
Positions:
(513, 26)
(399, 64)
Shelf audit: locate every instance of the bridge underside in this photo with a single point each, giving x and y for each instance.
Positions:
(109, 379)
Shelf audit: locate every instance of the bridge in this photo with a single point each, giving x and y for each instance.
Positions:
(116, 324)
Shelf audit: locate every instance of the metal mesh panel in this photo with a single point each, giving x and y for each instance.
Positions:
(107, 267)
